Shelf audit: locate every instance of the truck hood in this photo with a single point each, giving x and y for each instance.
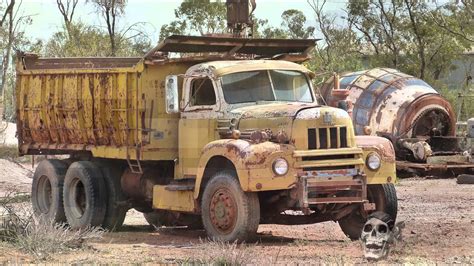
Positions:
(271, 110)
(292, 118)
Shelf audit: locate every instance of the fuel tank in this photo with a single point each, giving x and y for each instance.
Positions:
(389, 103)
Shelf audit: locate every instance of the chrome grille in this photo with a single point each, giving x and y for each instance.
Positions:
(327, 138)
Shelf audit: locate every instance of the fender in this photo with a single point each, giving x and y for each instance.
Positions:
(251, 161)
(383, 147)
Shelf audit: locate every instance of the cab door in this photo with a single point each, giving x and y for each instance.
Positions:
(197, 125)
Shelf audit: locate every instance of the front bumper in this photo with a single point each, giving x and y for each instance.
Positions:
(330, 176)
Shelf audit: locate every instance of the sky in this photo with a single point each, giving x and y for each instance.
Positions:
(47, 19)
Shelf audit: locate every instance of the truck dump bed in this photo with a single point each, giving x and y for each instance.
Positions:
(78, 103)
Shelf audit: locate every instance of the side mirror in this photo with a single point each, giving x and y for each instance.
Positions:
(172, 96)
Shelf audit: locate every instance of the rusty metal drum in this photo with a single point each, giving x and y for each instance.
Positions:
(388, 102)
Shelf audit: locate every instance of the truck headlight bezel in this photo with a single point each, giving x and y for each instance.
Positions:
(280, 167)
(373, 161)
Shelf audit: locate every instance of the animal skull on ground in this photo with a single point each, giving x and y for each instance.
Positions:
(378, 234)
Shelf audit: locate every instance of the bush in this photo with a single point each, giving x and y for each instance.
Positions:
(8, 152)
(37, 235)
(223, 253)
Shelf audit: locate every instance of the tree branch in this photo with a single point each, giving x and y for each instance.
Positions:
(8, 10)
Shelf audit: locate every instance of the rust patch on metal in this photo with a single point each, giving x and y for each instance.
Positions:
(382, 145)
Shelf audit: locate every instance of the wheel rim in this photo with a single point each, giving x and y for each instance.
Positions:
(223, 211)
(77, 198)
(45, 195)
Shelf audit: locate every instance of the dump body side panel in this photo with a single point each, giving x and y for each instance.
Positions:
(67, 105)
(77, 111)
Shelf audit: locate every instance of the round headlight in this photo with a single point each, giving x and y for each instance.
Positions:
(373, 161)
(280, 166)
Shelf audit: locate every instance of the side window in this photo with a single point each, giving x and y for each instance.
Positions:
(202, 92)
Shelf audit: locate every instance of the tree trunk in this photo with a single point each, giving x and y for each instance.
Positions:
(7, 55)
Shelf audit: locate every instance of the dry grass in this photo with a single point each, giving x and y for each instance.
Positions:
(38, 236)
(8, 152)
(225, 253)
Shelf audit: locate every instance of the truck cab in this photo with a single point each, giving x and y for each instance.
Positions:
(258, 122)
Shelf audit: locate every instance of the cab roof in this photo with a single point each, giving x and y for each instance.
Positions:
(220, 68)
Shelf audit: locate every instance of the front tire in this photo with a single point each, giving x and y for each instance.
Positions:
(228, 213)
(85, 195)
(385, 198)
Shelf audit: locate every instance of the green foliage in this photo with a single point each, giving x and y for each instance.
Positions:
(341, 48)
(293, 22)
(209, 17)
(461, 99)
(263, 30)
(85, 41)
(406, 35)
(90, 41)
(197, 16)
(292, 27)
(174, 28)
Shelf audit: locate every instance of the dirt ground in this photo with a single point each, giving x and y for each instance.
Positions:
(438, 213)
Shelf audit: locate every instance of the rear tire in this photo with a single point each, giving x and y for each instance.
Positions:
(228, 213)
(47, 190)
(116, 210)
(385, 198)
(85, 195)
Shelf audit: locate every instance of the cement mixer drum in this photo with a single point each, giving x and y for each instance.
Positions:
(388, 102)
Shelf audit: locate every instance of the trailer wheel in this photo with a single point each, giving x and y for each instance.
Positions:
(85, 195)
(228, 213)
(47, 190)
(385, 198)
(116, 209)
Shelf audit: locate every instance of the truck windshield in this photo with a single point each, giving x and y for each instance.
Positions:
(266, 85)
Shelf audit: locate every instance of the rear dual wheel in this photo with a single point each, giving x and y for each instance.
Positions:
(47, 190)
(116, 200)
(93, 195)
(83, 194)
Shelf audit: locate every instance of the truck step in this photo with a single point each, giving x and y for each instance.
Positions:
(181, 185)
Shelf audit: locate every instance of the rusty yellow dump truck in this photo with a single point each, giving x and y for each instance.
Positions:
(206, 132)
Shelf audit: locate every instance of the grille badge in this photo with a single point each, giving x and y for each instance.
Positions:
(327, 119)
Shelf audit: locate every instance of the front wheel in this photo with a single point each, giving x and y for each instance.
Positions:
(228, 213)
(385, 198)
